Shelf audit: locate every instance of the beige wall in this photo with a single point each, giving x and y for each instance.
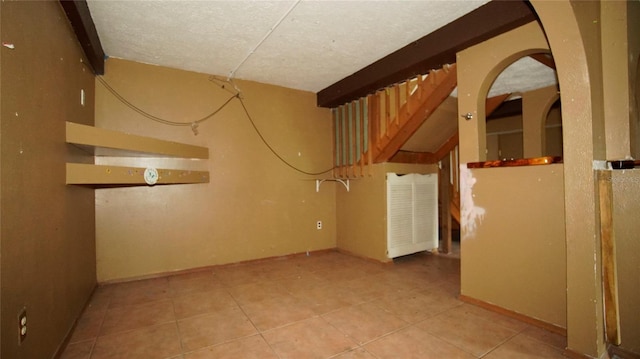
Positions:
(512, 219)
(625, 187)
(514, 254)
(362, 212)
(47, 250)
(254, 206)
(478, 67)
(633, 37)
(616, 66)
(505, 137)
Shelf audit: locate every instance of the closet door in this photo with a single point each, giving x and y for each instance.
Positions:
(412, 213)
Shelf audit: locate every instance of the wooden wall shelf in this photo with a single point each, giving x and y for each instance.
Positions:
(103, 142)
(87, 174)
(115, 143)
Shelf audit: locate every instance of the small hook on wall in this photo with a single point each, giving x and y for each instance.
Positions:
(468, 116)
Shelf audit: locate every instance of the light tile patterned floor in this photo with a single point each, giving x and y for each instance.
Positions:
(327, 305)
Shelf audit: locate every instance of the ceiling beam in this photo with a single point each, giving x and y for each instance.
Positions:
(513, 108)
(430, 52)
(545, 59)
(80, 18)
(506, 109)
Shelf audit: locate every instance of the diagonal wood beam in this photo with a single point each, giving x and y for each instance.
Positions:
(545, 59)
(446, 147)
(429, 157)
(80, 18)
(493, 103)
(506, 109)
(433, 99)
(430, 52)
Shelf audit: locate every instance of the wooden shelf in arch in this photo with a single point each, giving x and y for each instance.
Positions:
(103, 142)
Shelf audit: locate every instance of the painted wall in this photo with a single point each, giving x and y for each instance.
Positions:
(512, 219)
(505, 137)
(572, 29)
(254, 206)
(633, 31)
(362, 212)
(627, 202)
(513, 245)
(626, 199)
(47, 250)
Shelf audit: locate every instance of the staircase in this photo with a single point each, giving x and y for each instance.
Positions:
(374, 128)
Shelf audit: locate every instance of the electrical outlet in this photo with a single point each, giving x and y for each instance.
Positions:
(319, 225)
(22, 325)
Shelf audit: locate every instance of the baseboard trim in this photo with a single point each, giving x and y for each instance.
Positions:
(571, 354)
(621, 352)
(214, 266)
(368, 259)
(515, 315)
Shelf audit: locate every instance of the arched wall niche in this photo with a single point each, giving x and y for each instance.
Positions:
(552, 144)
(476, 78)
(536, 106)
(521, 129)
(502, 207)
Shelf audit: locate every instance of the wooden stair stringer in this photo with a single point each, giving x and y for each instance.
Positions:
(431, 94)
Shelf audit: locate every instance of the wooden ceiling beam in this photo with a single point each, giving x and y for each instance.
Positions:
(506, 109)
(431, 51)
(80, 18)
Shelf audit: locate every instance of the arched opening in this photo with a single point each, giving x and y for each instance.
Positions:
(567, 28)
(528, 123)
(502, 207)
(553, 130)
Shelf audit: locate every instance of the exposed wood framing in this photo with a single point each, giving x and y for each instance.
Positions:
(545, 59)
(425, 100)
(80, 18)
(608, 250)
(430, 52)
(446, 147)
(428, 157)
(494, 102)
(444, 184)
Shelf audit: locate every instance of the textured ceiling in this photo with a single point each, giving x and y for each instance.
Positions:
(301, 44)
(313, 43)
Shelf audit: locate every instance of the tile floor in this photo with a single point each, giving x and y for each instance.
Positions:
(327, 305)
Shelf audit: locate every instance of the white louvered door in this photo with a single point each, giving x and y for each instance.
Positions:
(412, 213)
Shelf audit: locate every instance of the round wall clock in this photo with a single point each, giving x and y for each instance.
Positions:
(151, 176)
